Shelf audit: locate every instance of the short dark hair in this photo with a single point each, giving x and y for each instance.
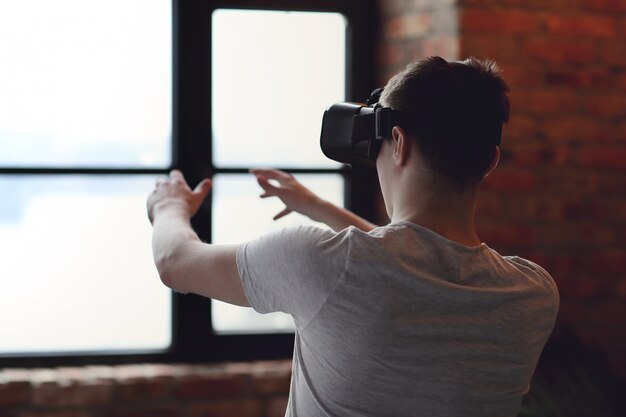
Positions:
(454, 111)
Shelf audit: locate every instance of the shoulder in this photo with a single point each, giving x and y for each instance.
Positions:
(299, 243)
(535, 272)
(306, 236)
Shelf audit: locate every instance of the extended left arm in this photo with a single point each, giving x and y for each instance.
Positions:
(184, 262)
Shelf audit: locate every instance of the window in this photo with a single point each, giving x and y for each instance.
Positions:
(96, 99)
(86, 105)
(267, 110)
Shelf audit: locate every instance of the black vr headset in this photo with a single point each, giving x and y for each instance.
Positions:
(352, 133)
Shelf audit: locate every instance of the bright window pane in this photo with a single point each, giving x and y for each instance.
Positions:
(239, 216)
(77, 269)
(274, 74)
(85, 83)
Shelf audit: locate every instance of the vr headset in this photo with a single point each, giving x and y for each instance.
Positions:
(352, 133)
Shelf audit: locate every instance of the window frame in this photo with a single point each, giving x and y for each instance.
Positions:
(193, 338)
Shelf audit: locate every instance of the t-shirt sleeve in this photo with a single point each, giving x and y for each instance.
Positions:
(293, 270)
(542, 274)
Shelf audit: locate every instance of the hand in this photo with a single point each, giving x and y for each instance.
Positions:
(173, 192)
(295, 195)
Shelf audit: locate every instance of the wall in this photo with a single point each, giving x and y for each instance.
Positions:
(559, 195)
(237, 389)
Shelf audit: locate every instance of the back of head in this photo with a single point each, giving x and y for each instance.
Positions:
(454, 110)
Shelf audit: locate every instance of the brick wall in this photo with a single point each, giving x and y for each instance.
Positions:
(559, 195)
(411, 29)
(237, 389)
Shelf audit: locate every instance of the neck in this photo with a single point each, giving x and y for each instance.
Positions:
(440, 207)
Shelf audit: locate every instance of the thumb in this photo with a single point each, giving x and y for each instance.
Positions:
(203, 188)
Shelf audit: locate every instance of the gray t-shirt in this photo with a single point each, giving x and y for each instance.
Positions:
(401, 321)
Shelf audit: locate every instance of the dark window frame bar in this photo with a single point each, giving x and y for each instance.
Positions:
(193, 339)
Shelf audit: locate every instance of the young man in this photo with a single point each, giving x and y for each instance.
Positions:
(416, 318)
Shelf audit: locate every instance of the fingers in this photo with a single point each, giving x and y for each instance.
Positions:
(272, 174)
(283, 213)
(175, 174)
(160, 181)
(269, 189)
(203, 188)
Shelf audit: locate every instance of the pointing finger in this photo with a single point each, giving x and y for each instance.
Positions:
(266, 185)
(273, 174)
(203, 187)
(283, 213)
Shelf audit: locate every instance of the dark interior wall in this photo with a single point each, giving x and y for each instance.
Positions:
(559, 194)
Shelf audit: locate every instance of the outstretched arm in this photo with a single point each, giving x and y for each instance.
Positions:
(300, 199)
(183, 261)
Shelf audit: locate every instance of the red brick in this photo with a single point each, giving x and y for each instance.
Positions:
(564, 129)
(561, 266)
(14, 393)
(607, 105)
(406, 26)
(610, 6)
(151, 411)
(538, 5)
(52, 394)
(498, 48)
(141, 389)
(545, 102)
(444, 20)
(392, 7)
(613, 185)
(582, 209)
(609, 263)
(507, 236)
(240, 408)
(271, 384)
(535, 210)
(604, 158)
(429, 4)
(582, 289)
(529, 153)
(620, 288)
(579, 79)
(55, 413)
(560, 51)
(581, 26)
(621, 27)
(512, 181)
(597, 235)
(498, 22)
(570, 180)
(573, 236)
(276, 406)
(518, 76)
(614, 53)
(208, 387)
(605, 317)
(444, 46)
(621, 81)
(392, 54)
(519, 127)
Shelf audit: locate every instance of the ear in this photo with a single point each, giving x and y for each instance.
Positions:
(494, 161)
(401, 146)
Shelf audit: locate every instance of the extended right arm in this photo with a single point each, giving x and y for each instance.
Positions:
(300, 199)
